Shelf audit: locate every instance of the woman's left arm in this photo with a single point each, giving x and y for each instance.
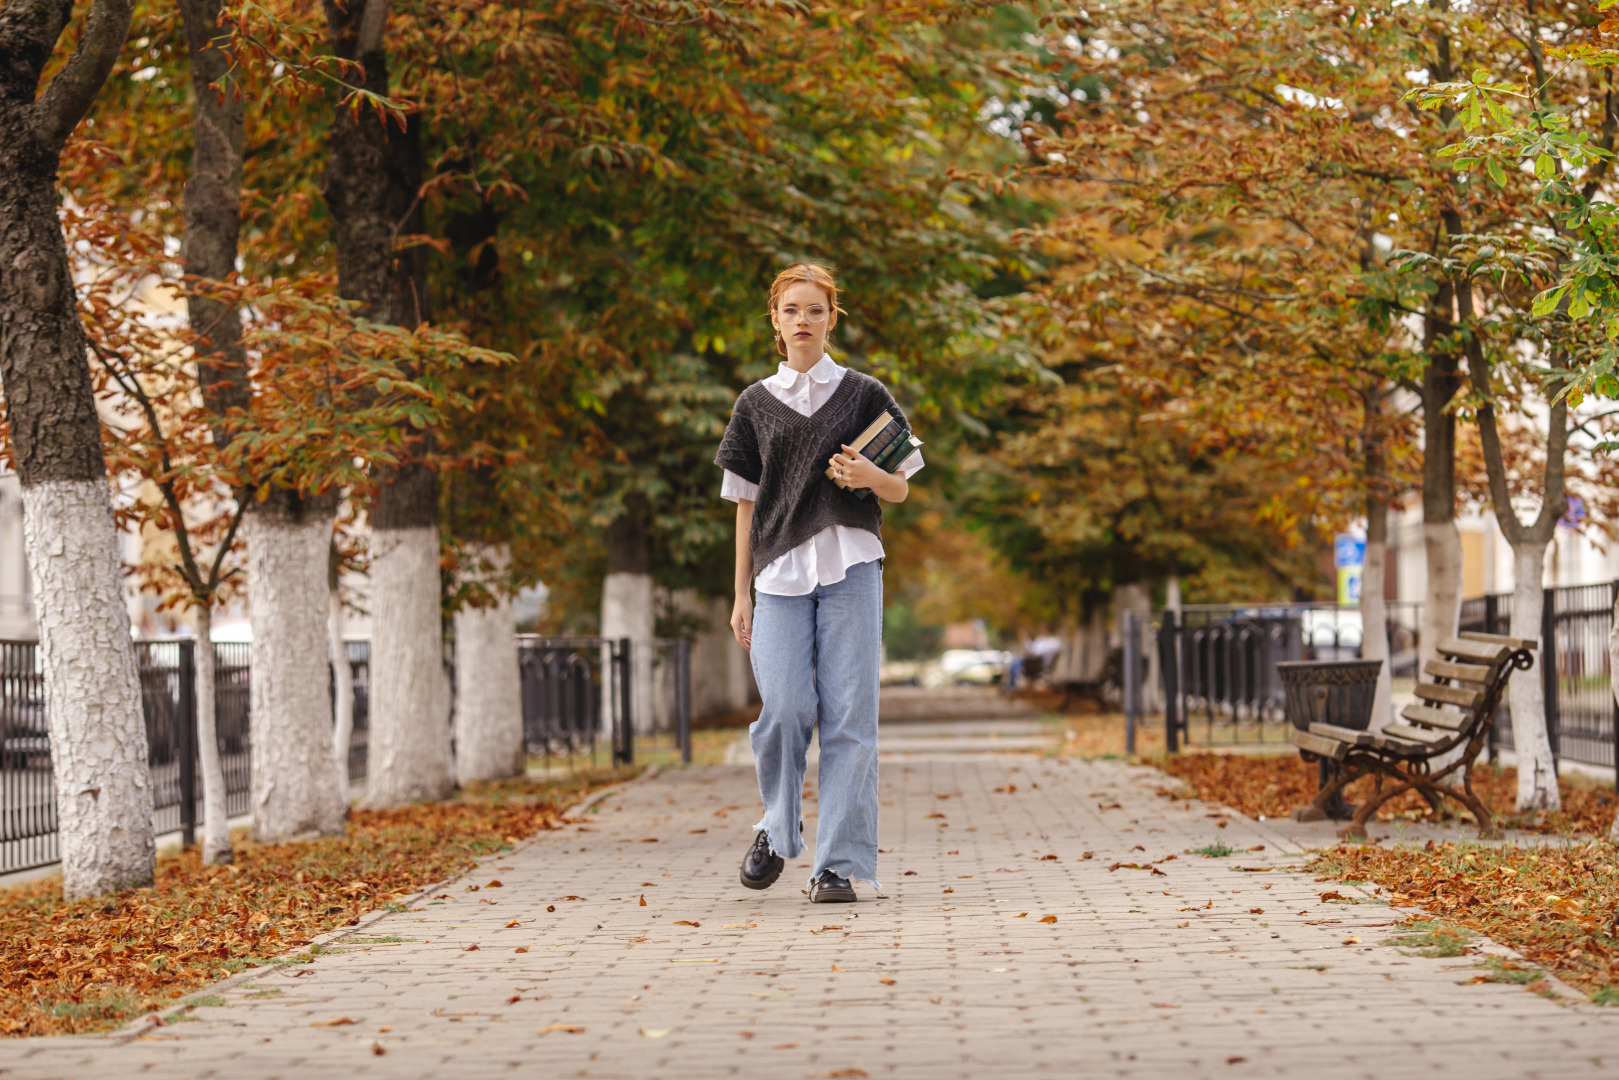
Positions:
(861, 472)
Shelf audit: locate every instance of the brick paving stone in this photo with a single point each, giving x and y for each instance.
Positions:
(1210, 967)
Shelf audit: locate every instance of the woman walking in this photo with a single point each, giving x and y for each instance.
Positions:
(813, 553)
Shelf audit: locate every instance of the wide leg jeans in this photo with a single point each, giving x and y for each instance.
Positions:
(816, 660)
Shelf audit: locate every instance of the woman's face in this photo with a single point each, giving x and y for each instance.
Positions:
(802, 316)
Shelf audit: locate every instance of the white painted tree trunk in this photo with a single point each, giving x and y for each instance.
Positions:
(291, 718)
(488, 695)
(1537, 771)
(627, 612)
(409, 758)
(1374, 628)
(216, 849)
(342, 688)
(92, 689)
(1442, 607)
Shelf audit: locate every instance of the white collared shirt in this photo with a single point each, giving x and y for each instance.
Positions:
(824, 558)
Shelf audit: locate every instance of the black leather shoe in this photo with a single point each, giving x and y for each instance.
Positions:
(761, 866)
(828, 888)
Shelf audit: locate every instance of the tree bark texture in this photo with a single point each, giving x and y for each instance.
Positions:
(1374, 643)
(216, 849)
(92, 689)
(488, 693)
(295, 794)
(1537, 770)
(627, 603)
(213, 207)
(1441, 379)
(371, 186)
(1531, 744)
(342, 687)
(409, 756)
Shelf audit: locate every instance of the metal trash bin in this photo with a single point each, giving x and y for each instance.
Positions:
(1337, 692)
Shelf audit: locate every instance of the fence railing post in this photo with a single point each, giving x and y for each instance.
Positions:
(186, 721)
(624, 742)
(1548, 671)
(1169, 665)
(1132, 687)
(683, 697)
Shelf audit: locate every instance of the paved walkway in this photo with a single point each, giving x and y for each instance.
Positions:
(1005, 945)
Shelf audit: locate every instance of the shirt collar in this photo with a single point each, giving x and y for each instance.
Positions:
(821, 372)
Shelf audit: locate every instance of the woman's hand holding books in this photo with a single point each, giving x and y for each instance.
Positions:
(854, 471)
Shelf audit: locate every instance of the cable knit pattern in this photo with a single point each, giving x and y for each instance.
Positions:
(770, 444)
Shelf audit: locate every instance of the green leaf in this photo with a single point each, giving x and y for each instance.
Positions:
(1545, 166)
(1547, 301)
(1580, 306)
(1493, 166)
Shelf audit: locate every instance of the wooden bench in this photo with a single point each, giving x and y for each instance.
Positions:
(1455, 710)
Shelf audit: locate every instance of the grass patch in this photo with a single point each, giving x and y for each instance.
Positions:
(272, 992)
(1217, 850)
(1500, 970)
(1556, 906)
(385, 940)
(1608, 995)
(90, 965)
(1431, 939)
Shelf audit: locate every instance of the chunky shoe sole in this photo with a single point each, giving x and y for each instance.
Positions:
(832, 894)
(772, 873)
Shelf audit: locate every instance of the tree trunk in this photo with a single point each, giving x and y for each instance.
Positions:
(488, 692)
(92, 689)
(627, 601)
(342, 675)
(293, 794)
(213, 207)
(409, 756)
(216, 849)
(1441, 379)
(1374, 644)
(371, 187)
(1442, 607)
(1537, 770)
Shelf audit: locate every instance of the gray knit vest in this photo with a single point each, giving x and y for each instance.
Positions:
(771, 444)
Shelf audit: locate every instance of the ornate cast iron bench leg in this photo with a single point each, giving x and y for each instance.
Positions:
(1356, 828)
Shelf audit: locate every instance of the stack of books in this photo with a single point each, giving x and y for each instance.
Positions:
(886, 443)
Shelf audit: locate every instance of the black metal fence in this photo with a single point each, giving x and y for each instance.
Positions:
(577, 689)
(167, 669)
(1219, 686)
(573, 690)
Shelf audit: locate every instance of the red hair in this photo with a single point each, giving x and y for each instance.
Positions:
(811, 274)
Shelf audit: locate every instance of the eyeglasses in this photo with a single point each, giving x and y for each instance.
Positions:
(813, 314)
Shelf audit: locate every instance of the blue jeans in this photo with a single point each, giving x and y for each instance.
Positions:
(816, 658)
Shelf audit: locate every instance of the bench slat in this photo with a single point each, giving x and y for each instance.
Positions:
(1444, 669)
(1420, 735)
(1343, 734)
(1483, 652)
(1327, 748)
(1499, 639)
(1450, 695)
(1440, 718)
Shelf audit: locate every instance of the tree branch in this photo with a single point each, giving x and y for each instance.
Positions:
(68, 97)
